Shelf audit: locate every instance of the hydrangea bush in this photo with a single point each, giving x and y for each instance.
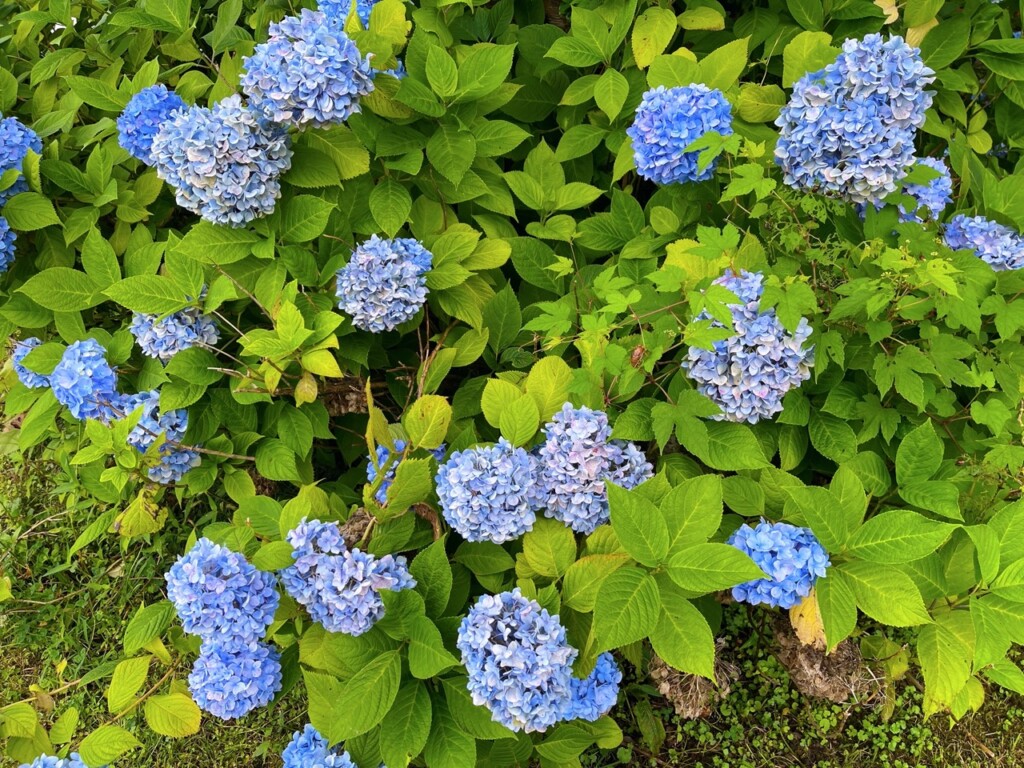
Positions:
(471, 356)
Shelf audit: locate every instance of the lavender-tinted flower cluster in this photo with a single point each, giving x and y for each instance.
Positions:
(30, 379)
(997, 245)
(229, 681)
(748, 374)
(848, 129)
(669, 120)
(175, 460)
(308, 749)
(520, 666)
(163, 338)
(791, 557)
(142, 117)
(576, 460)
(16, 139)
(309, 73)
(85, 384)
(489, 493)
(384, 284)
(340, 587)
(382, 456)
(8, 238)
(224, 162)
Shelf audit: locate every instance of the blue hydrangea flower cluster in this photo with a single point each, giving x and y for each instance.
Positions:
(50, 761)
(163, 338)
(792, 558)
(932, 197)
(8, 238)
(229, 681)
(489, 493)
(16, 139)
(309, 73)
(224, 163)
(996, 244)
(175, 460)
(340, 9)
(340, 587)
(30, 379)
(748, 374)
(384, 284)
(308, 749)
(669, 120)
(576, 460)
(85, 384)
(220, 596)
(848, 129)
(145, 112)
(520, 666)
(382, 457)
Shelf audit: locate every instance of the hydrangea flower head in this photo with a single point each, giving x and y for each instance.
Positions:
(8, 238)
(748, 374)
(16, 139)
(384, 284)
(383, 454)
(51, 761)
(231, 680)
(848, 129)
(340, 587)
(175, 460)
(308, 749)
(593, 696)
(146, 111)
(669, 120)
(340, 9)
(85, 384)
(931, 197)
(30, 379)
(996, 244)
(518, 660)
(577, 459)
(489, 493)
(165, 337)
(220, 596)
(223, 161)
(791, 557)
(309, 73)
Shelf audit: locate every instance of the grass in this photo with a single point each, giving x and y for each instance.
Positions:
(67, 618)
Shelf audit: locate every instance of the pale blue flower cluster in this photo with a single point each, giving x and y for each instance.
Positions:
(8, 238)
(85, 384)
(930, 199)
(220, 596)
(748, 374)
(340, 587)
(229, 681)
(576, 460)
(16, 139)
(669, 120)
(384, 284)
(997, 245)
(308, 749)
(146, 111)
(30, 379)
(340, 9)
(489, 493)
(51, 761)
(791, 557)
(165, 337)
(520, 666)
(175, 460)
(309, 73)
(224, 162)
(383, 454)
(848, 129)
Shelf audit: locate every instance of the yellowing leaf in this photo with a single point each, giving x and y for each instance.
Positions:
(892, 13)
(805, 617)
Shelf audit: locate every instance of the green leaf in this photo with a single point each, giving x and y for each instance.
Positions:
(276, 461)
(639, 524)
(442, 74)
(693, 511)
(548, 384)
(427, 655)
(832, 437)
(451, 151)
(945, 651)
(610, 92)
(885, 593)
(627, 609)
(837, 606)
(809, 14)
(433, 576)
(519, 421)
(96, 93)
(405, 728)
(305, 218)
(99, 259)
(682, 636)
(342, 146)
(938, 496)
(106, 744)
(550, 548)
(705, 568)
(129, 676)
(498, 394)
(760, 103)
(1009, 584)
(149, 294)
(212, 244)
(807, 52)
(503, 318)
(173, 714)
(427, 420)
(703, 18)
(484, 68)
(343, 710)
(584, 578)
(899, 536)
(652, 32)
(474, 720)
(673, 71)
(62, 289)
(723, 66)
(390, 204)
(448, 745)
(148, 624)
(919, 455)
